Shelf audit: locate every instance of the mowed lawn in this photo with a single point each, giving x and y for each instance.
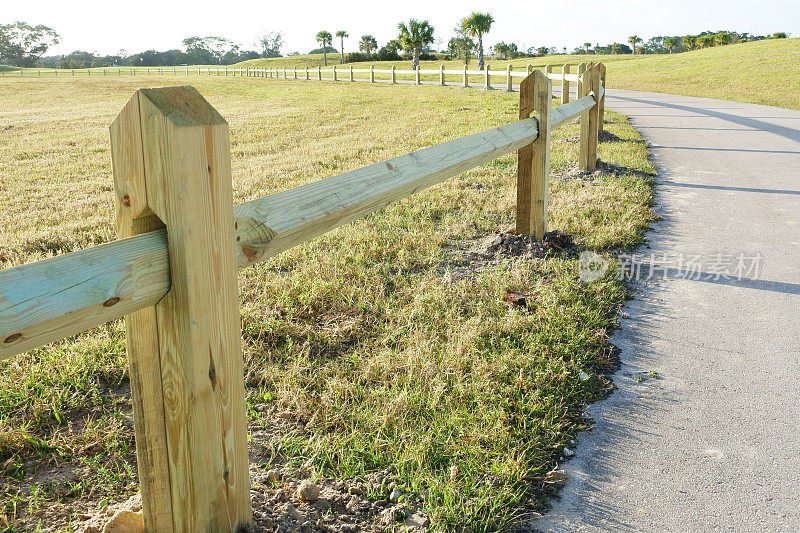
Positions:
(365, 336)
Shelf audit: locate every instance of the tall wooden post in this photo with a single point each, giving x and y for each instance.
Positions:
(548, 69)
(564, 84)
(488, 84)
(533, 161)
(351, 72)
(334, 73)
(372, 73)
(171, 158)
(602, 103)
(581, 70)
(587, 158)
(441, 74)
(394, 78)
(509, 83)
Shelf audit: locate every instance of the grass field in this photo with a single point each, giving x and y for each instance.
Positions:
(382, 345)
(761, 72)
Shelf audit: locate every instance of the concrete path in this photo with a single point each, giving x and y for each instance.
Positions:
(712, 443)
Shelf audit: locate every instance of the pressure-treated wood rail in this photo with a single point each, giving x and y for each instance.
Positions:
(172, 273)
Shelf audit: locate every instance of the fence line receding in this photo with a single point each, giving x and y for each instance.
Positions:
(172, 274)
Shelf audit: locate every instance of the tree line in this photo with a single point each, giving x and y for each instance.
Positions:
(416, 38)
(24, 45)
(676, 43)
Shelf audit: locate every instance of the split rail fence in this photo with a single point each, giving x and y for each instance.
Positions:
(332, 73)
(172, 273)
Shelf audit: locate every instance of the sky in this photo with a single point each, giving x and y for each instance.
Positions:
(107, 27)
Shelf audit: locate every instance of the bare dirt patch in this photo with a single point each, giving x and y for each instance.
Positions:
(469, 257)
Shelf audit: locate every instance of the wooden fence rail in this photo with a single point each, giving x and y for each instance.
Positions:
(172, 273)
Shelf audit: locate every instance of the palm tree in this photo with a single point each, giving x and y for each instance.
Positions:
(634, 40)
(476, 25)
(325, 38)
(704, 41)
(414, 37)
(586, 46)
(341, 34)
(689, 41)
(368, 44)
(670, 43)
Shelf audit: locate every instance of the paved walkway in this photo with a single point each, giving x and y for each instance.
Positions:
(713, 443)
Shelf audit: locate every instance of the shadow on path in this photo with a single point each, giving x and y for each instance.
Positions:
(783, 131)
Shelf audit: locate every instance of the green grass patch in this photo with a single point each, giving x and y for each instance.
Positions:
(361, 334)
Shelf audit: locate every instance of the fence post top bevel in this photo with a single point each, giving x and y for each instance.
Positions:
(183, 106)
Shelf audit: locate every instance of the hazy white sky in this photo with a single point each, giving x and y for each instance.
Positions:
(106, 27)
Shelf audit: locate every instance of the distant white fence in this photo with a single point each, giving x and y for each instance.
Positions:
(332, 73)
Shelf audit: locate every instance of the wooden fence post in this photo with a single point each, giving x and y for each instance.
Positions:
(564, 84)
(394, 78)
(319, 73)
(533, 161)
(548, 69)
(171, 159)
(488, 83)
(509, 84)
(334, 73)
(602, 103)
(372, 73)
(587, 158)
(530, 69)
(307, 78)
(441, 74)
(581, 70)
(351, 72)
